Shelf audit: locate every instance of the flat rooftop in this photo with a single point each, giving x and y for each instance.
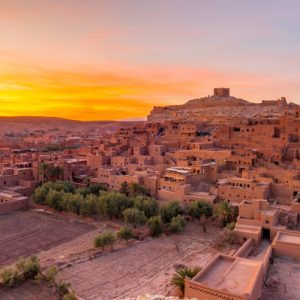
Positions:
(288, 237)
(230, 273)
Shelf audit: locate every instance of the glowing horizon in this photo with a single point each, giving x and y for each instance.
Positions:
(87, 60)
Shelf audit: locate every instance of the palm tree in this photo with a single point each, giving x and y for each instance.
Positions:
(42, 170)
(225, 212)
(180, 275)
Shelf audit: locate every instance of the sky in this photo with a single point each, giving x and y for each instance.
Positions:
(116, 59)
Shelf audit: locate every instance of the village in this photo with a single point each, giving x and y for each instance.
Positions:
(178, 183)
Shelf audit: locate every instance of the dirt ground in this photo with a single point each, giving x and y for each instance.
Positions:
(283, 281)
(26, 233)
(142, 267)
(29, 291)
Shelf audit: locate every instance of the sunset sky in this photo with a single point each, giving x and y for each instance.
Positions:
(116, 59)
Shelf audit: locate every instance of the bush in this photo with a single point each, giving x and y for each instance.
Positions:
(104, 239)
(63, 289)
(29, 268)
(125, 234)
(134, 216)
(155, 225)
(230, 226)
(227, 238)
(70, 296)
(177, 224)
(10, 278)
(169, 210)
(51, 274)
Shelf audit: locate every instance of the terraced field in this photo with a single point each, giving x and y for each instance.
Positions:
(142, 267)
(25, 233)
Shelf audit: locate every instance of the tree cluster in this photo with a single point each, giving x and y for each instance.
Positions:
(135, 208)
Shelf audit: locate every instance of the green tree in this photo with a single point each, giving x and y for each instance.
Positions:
(88, 205)
(40, 194)
(169, 210)
(72, 203)
(155, 225)
(201, 210)
(136, 189)
(177, 224)
(134, 216)
(42, 170)
(54, 199)
(113, 204)
(180, 276)
(93, 189)
(104, 239)
(124, 188)
(65, 186)
(148, 205)
(125, 234)
(50, 172)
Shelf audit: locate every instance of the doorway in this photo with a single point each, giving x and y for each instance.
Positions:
(266, 234)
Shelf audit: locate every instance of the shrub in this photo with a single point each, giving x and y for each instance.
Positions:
(51, 274)
(177, 224)
(70, 296)
(230, 226)
(63, 289)
(134, 216)
(155, 225)
(169, 210)
(10, 278)
(104, 239)
(125, 234)
(226, 238)
(29, 268)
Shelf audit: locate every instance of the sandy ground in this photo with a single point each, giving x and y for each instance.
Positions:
(142, 267)
(29, 232)
(283, 281)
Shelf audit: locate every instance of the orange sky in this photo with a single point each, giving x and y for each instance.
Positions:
(116, 59)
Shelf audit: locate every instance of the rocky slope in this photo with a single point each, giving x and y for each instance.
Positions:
(204, 109)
